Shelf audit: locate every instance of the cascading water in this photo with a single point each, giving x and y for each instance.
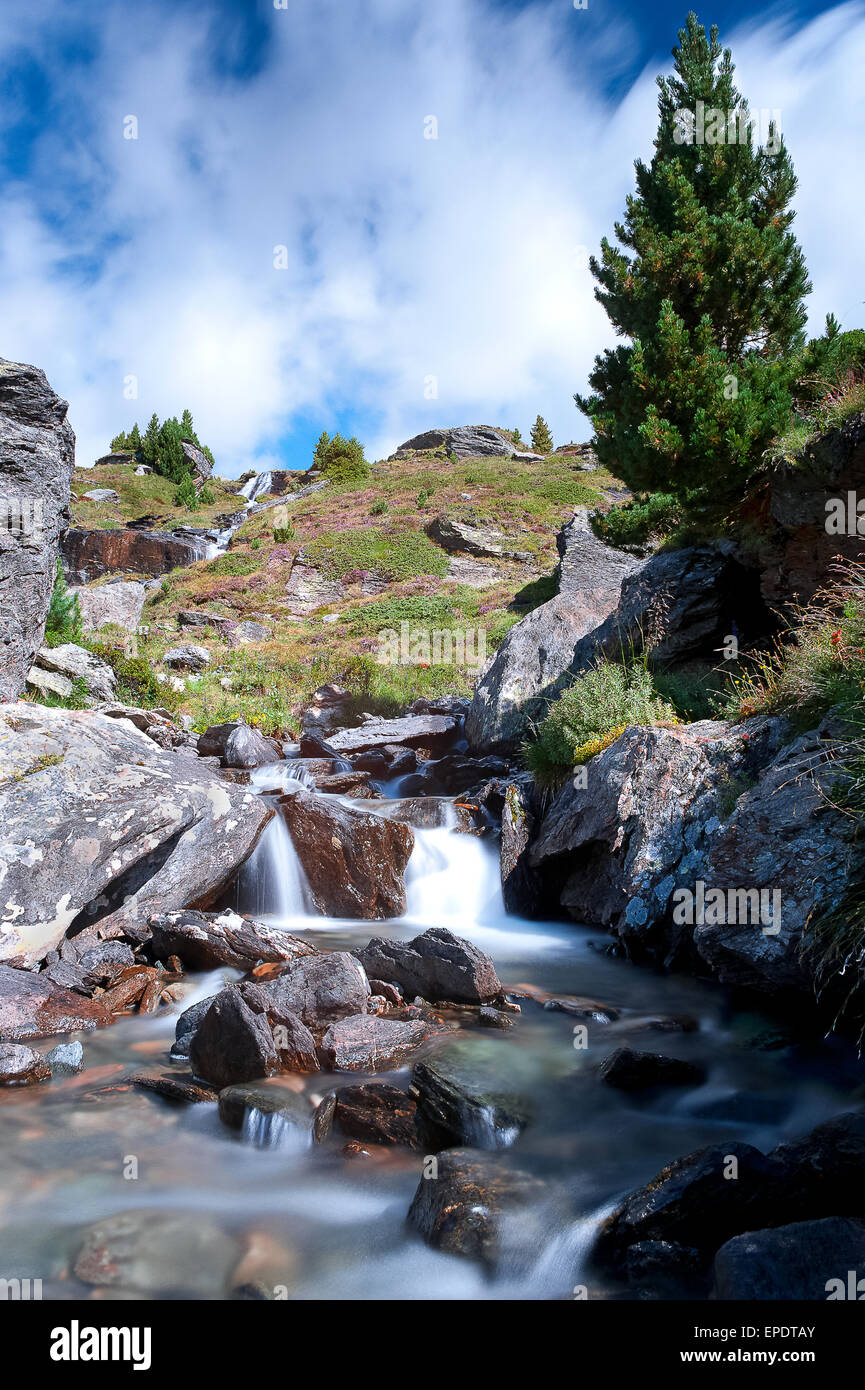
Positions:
(272, 883)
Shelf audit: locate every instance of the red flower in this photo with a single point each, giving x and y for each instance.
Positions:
(836, 637)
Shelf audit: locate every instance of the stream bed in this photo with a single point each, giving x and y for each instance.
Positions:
(316, 1223)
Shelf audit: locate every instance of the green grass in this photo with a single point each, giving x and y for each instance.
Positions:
(588, 715)
(646, 517)
(396, 555)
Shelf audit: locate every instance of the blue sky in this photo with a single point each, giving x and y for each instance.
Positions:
(282, 249)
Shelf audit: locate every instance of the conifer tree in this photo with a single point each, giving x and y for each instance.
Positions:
(708, 289)
(150, 443)
(187, 428)
(542, 440)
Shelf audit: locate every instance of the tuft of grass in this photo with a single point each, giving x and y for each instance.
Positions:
(396, 555)
(593, 711)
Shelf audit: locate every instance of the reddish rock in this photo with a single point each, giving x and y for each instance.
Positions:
(22, 1066)
(354, 862)
(364, 1043)
(34, 1007)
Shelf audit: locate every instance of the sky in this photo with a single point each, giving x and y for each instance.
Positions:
(371, 216)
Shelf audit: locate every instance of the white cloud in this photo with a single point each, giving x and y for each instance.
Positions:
(407, 258)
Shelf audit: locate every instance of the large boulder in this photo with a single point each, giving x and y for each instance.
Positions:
(205, 940)
(437, 965)
(308, 589)
(115, 605)
(463, 441)
(33, 1006)
(432, 731)
(37, 449)
(197, 459)
(158, 1254)
(366, 1043)
(354, 862)
(461, 1207)
(525, 670)
(232, 1043)
(74, 663)
(454, 535)
(88, 555)
(707, 842)
(475, 1092)
(805, 1260)
(101, 828)
(320, 989)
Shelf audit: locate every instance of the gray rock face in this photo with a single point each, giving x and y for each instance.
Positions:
(248, 747)
(523, 673)
(308, 590)
(437, 965)
(319, 989)
(232, 1044)
(118, 604)
(464, 441)
(102, 494)
(432, 731)
(190, 657)
(37, 450)
(805, 1260)
(248, 631)
(363, 1042)
(733, 808)
(452, 535)
(22, 1066)
(76, 663)
(102, 822)
(201, 466)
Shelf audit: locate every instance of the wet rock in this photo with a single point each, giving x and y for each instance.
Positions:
(578, 1007)
(376, 1114)
(805, 1260)
(522, 890)
(523, 674)
(176, 1087)
(463, 1092)
(280, 1107)
(364, 1043)
(293, 1041)
(823, 1169)
(22, 1066)
(246, 747)
(455, 773)
(190, 657)
(386, 991)
(354, 784)
(204, 940)
(102, 827)
(159, 1253)
(432, 731)
(460, 1208)
(231, 1043)
(493, 1018)
(390, 760)
(696, 1201)
(320, 989)
(629, 1070)
(187, 1023)
(66, 1059)
(33, 1007)
(354, 862)
(88, 555)
(436, 965)
(662, 1269)
(37, 449)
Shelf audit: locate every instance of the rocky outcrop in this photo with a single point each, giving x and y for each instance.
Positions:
(69, 663)
(454, 535)
(679, 831)
(101, 827)
(463, 441)
(431, 731)
(308, 589)
(469, 1094)
(354, 862)
(437, 965)
(88, 555)
(33, 1006)
(118, 605)
(205, 940)
(525, 670)
(37, 449)
(197, 459)
(806, 521)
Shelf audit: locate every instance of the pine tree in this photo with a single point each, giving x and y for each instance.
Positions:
(320, 454)
(172, 462)
(134, 438)
(542, 440)
(150, 443)
(187, 428)
(709, 290)
(63, 623)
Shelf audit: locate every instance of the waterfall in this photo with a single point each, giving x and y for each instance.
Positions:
(272, 882)
(273, 1129)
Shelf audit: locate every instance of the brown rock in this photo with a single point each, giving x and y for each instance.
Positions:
(33, 1007)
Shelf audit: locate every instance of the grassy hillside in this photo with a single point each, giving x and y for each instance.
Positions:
(370, 537)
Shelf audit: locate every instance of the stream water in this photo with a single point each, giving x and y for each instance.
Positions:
(334, 1227)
